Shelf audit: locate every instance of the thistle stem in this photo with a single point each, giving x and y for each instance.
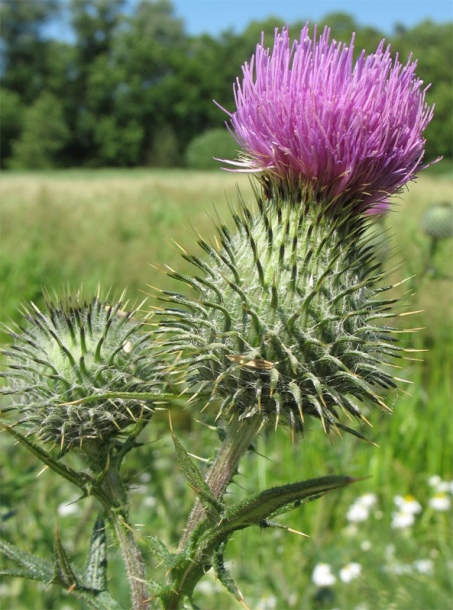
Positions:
(236, 442)
(116, 512)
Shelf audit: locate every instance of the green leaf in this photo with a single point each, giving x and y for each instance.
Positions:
(68, 473)
(223, 574)
(81, 480)
(43, 570)
(193, 476)
(63, 572)
(159, 549)
(96, 571)
(278, 500)
(32, 567)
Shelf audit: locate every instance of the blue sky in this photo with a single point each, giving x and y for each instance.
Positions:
(215, 16)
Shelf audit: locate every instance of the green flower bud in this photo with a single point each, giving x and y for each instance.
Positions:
(66, 364)
(437, 221)
(287, 320)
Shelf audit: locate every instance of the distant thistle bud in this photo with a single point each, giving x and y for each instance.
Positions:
(72, 352)
(287, 320)
(437, 221)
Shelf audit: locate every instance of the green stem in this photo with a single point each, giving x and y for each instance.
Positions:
(116, 512)
(237, 440)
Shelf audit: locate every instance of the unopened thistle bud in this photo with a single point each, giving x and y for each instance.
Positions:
(287, 319)
(65, 366)
(437, 221)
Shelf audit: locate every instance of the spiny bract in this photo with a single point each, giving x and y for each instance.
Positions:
(71, 353)
(288, 317)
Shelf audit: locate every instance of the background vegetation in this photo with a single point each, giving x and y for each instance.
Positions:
(117, 228)
(131, 88)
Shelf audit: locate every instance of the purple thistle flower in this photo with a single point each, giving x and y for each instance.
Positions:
(318, 126)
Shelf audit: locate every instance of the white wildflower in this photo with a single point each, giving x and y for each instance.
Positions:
(424, 566)
(408, 504)
(440, 501)
(402, 520)
(350, 572)
(322, 575)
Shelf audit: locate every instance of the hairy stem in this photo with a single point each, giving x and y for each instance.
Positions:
(237, 440)
(116, 512)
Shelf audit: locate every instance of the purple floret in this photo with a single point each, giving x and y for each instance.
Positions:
(314, 123)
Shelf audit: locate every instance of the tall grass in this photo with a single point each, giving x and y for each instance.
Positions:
(117, 229)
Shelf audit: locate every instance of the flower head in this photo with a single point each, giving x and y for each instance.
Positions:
(65, 364)
(322, 575)
(283, 323)
(315, 124)
(350, 572)
(440, 502)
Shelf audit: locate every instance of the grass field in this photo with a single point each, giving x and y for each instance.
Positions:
(117, 229)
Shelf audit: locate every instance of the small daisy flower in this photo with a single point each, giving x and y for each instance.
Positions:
(424, 566)
(360, 510)
(402, 520)
(350, 572)
(434, 481)
(368, 500)
(357, 513)
(440, 502)
(408, 504)
(322, 575)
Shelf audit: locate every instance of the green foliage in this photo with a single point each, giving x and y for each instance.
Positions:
(204, 150)
(23, 46)
(106, 226)
(134, 89)
(43, 136)
(11, 117)
(432, 45)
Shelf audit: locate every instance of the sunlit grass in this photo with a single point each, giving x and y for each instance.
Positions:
(117, 229)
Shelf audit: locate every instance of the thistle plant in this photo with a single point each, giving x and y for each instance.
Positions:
(284, 320)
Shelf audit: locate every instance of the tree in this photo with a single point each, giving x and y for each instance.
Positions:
(43, 136)
(432, 45)
(11, 115)
(23, 45)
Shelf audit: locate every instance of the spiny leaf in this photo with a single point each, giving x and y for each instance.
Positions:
(33, 567)
(42, 570)
(195, 480)
(96, 571)
(266, 504)
(223, 574)
(160, 549)
(65, 471)
(63, 572)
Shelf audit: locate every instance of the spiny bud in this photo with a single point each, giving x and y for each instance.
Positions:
(437, 221)
(65, 362)
(287, 320)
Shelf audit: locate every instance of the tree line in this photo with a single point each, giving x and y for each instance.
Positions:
(132, 88)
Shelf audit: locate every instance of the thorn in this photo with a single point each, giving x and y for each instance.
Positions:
(170, 423)
(290, 529)
(414, 350)
(243, 604)
(41, 471)
(404, 380)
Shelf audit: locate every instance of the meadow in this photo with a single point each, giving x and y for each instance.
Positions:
(120, 230)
